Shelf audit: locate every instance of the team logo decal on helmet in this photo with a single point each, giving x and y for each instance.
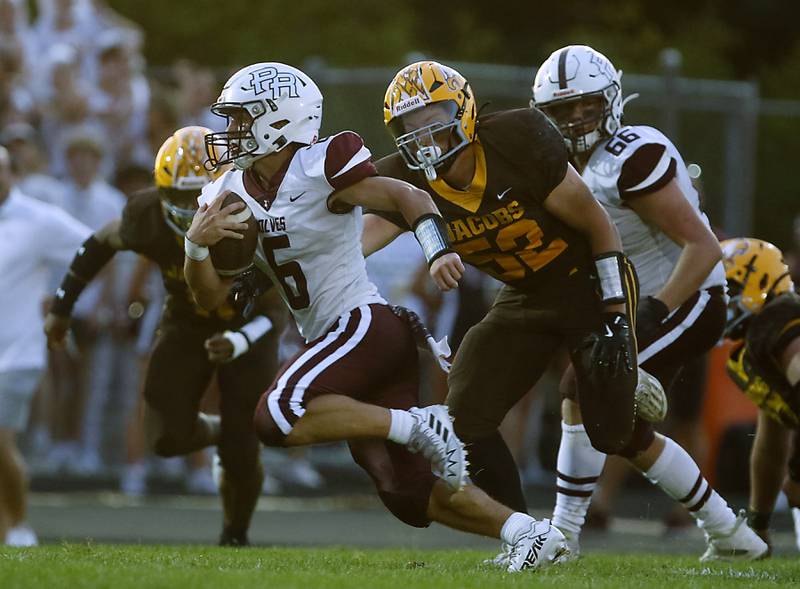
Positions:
(580, 91)
(756, 273)
(180, 172)
(267, 107)
(431, 144)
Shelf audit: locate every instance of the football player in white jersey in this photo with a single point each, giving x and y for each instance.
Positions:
(356, 380)
(637, 174)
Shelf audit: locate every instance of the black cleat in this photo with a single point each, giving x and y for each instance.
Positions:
(234, 539)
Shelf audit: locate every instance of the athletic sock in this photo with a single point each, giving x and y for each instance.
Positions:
(578, 467)
(680, 478)
(516, 524)
(402, 422)
(492, 468)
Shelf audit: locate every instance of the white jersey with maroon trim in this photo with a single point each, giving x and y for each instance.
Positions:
(311, 253)
(635, 161)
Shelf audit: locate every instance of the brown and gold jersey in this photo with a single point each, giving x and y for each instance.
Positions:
(144, 231)
(499, 224)
(754, 364)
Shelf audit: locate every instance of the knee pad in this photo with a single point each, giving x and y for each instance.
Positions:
(643, 436)
(409, 503)
(607, 406)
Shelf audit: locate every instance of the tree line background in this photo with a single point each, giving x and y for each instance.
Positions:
(754, 40)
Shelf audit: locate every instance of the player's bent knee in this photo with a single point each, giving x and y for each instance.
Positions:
(166, 446)
(410, 506)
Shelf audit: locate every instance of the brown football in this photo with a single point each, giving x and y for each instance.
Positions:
(233, 256)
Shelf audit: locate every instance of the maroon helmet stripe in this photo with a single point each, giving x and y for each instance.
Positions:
(562, 68)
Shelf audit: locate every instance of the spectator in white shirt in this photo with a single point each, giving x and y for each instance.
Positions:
(28, 164)
(35, 236)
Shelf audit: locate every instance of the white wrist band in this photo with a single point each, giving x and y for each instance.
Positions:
(198, 253)
(609, 272)
(239, 341)
(256, 328)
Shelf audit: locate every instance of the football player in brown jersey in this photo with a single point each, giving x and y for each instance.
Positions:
(516, 209)
(764, 320)
(193, 344)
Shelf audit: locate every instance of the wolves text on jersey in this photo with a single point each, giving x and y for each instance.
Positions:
(272, 224)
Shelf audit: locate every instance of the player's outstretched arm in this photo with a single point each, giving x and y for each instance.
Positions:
(669, 210)
(421, 214)
(89, 260)
(211, 223)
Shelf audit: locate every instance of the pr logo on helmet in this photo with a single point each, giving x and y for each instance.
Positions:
(603, 67)
(276, 83)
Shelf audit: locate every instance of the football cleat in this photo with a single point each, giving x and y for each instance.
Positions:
(233, 539)
(503, 558)
(433, 437)
(796, 518)
(540, 546)
(651, 401)
(573, 548)
(21, 537)
(741, 543)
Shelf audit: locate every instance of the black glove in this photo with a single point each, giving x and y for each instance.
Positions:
(612, 348)
(246, 289)
(650, 314)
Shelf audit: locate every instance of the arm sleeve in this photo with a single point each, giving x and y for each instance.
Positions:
(646, 170)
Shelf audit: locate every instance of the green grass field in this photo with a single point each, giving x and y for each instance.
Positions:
(189, 567)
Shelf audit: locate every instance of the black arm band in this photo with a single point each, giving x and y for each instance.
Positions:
(431, 232)
(611, 276)
(758, 520)
(87, 263)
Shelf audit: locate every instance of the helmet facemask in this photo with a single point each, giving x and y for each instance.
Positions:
(178, 207)
(432, 145)
(596, 118)
(238, 143)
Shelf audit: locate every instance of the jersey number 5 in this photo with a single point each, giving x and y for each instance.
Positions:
(298, 296)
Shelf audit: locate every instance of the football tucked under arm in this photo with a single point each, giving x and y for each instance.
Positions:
(212, 224)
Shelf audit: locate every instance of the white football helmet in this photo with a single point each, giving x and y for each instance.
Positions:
(267, 106)
(575, 74)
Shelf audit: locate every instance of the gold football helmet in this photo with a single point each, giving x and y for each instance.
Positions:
(430, 110)
(756, 273)
(180, 173)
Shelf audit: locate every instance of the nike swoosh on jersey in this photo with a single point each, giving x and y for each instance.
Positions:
(502, 194)
(295, 197)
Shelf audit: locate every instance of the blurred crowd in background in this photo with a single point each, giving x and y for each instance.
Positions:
(82, 121)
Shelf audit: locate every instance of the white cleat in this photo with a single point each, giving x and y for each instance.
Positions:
(796, 517)
(573, 548)
(742, 543)
(433, 436)
(651, 400)
(503, 558)
(540, 546)
(21, 537)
